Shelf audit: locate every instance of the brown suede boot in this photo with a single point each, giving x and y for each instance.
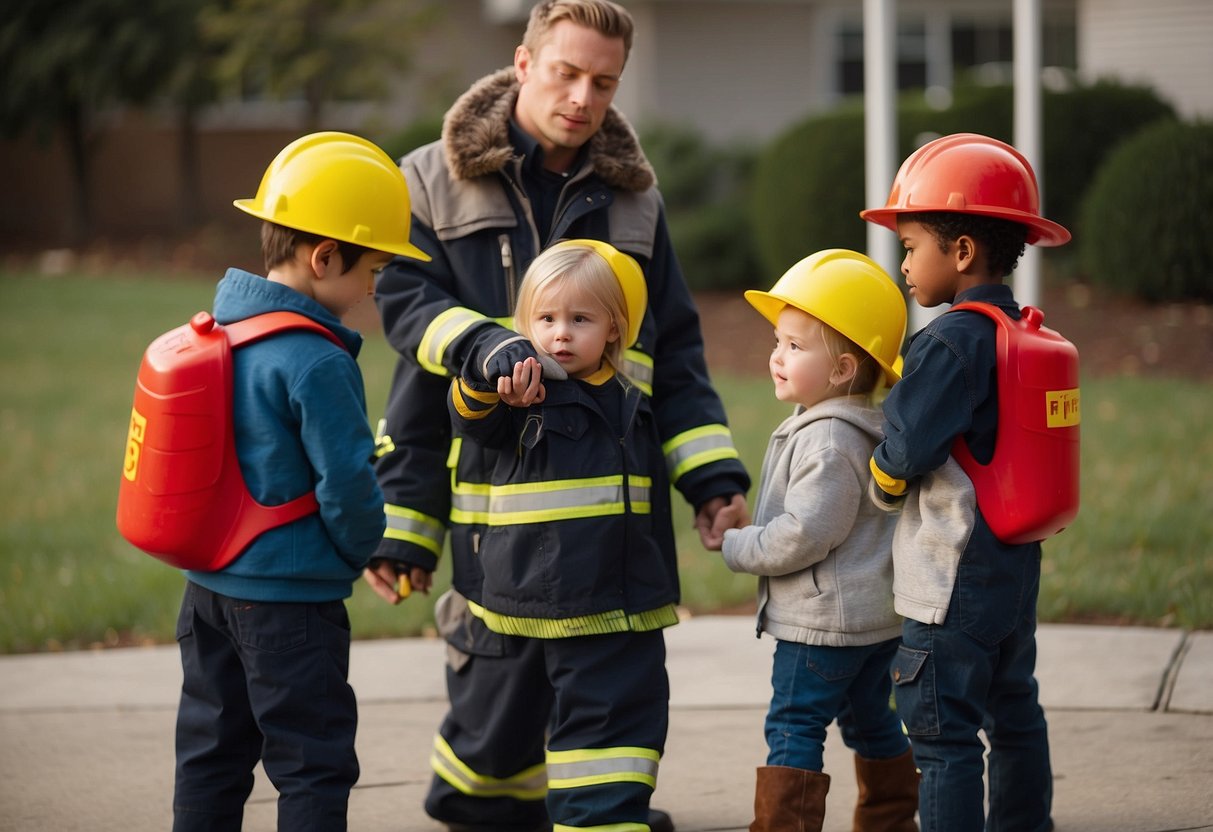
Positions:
(888, 794)
(789, 800)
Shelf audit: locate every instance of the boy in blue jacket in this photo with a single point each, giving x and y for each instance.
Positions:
(265, 641)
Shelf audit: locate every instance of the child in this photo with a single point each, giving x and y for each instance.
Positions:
(963, 206)
(822, 550)
(579, 556)
(265, 641)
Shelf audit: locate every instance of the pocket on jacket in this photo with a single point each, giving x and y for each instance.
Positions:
(806, 583)
(913, 675)
(569, 422)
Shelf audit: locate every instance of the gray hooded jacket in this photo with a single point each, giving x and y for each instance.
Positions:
(821, 548)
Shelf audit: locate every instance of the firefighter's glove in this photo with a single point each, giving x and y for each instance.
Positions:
(495, 352)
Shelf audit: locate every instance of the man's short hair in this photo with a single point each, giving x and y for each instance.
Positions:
(606, 18)
(278, 244)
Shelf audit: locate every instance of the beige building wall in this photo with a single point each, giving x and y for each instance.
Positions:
(1167, 44)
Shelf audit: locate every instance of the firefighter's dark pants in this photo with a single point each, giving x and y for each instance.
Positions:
(605, 700)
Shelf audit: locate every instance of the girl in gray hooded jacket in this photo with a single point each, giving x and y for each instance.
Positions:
(822, 550)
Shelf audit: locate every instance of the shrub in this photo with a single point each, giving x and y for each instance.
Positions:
(819, 162)
(1146, 227)
(705, 191)
(808, 190)
(419, 132)
(1081, 127)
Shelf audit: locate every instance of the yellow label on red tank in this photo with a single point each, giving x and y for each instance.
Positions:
(134, 445)
(1063, 409)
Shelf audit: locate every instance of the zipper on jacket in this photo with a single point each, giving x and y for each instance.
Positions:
(507, 266)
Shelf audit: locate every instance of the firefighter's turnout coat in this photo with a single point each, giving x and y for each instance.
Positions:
(579, 539)
(472, 215)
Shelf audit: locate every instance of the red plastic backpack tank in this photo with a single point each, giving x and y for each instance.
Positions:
(182, 497)
(1029, 489)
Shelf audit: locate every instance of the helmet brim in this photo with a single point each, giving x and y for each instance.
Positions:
(405, 248)
(770, 304)
(1041, 232)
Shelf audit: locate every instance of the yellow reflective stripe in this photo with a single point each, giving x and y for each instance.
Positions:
(614, 621)
(528, 784)
(460, 393)
(639, 368)
(469, 502)
(538, 502)
(414, 527)
(440, 333)
(696, 447)
(605, 827)
(594, 766)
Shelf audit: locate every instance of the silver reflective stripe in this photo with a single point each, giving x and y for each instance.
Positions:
(697, 447)
(470, 503)
(529, 784)
(439, 335)
(593, 766)
(415, 527)
(639, 368)
(566, 499)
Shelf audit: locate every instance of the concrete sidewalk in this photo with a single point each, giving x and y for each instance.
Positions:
(86, 739)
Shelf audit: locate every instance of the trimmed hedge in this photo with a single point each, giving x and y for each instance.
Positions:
(808, 185)
(705, 189)
(1147, 222)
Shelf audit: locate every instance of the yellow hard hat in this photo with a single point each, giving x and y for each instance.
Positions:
(848, 292)
(631, 280)
(339, 186)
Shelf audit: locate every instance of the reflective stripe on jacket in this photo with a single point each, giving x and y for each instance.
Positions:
(577, 537)
(471, 213)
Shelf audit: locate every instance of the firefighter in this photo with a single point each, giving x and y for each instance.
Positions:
(530, 154)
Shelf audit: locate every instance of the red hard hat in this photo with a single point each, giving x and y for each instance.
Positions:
(969, 174)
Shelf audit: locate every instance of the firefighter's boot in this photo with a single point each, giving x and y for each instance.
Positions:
(789, 800)
(888, 794)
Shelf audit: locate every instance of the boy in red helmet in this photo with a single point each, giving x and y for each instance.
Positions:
(963, 206)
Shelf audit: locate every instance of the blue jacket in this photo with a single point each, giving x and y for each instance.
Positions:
(578, 539)
(472, 212)
(300, 424)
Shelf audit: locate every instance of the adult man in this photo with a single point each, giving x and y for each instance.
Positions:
(531, 154)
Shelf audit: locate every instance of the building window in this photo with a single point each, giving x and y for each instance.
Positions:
(970, 43)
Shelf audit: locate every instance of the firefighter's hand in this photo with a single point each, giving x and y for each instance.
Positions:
(717, 515)
(386, 581)
(524, 387)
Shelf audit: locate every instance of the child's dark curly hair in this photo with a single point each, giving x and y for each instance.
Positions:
(1003, 240)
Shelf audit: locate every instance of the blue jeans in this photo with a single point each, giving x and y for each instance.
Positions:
(263, 681)
(813, 686)
(976, 672)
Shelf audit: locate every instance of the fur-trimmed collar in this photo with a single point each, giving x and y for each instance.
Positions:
(476, 137)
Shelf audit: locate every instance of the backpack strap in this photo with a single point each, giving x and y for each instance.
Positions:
(261, 326)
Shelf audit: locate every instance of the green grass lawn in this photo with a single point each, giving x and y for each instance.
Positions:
(70, 347)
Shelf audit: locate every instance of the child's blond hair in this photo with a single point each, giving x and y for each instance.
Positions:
(869, 375)
(581, 269)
